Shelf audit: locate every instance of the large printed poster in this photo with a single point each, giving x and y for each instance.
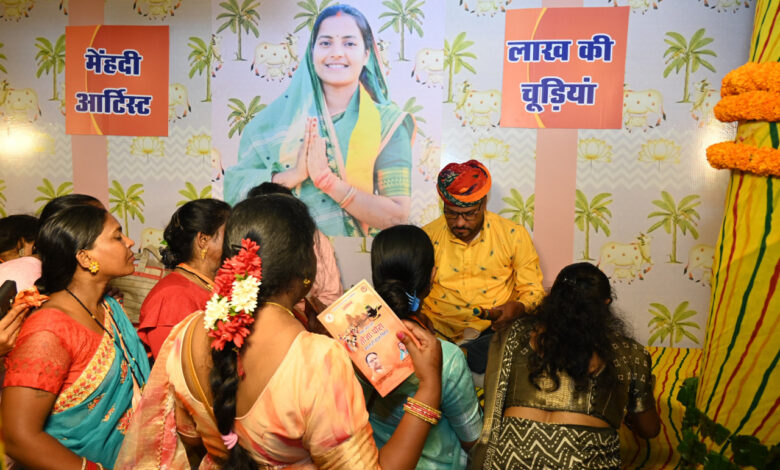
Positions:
(116, 82)
(340, 133)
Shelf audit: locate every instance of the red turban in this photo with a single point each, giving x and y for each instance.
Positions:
(463, 184)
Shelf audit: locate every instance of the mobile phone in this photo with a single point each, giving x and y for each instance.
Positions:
(7, 296)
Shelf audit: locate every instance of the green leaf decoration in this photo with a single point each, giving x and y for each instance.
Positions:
(674, 216)
(239, 18)
(687, 55)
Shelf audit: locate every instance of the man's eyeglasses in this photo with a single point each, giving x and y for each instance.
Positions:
(467, 216)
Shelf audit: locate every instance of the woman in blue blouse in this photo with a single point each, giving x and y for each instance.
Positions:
(402, 269)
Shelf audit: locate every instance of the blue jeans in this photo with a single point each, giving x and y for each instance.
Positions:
(477, 351)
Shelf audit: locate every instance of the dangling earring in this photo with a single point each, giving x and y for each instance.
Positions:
(306, 282)
(94, 267)
(21, 252)
(203, 253)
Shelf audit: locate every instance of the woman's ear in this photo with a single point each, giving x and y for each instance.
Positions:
(83, 259)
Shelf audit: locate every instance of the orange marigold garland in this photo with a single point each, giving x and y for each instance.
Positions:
(749, 106)
(752, 76)
(749, 93)
(763, 161)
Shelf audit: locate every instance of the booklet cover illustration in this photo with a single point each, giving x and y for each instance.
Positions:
(363, 323)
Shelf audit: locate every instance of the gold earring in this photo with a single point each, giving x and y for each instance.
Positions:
(307, 282)
(21, 251)
(203, 253)
(94, 267)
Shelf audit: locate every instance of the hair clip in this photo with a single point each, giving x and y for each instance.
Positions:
(414, 301)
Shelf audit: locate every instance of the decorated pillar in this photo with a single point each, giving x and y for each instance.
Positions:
(735, 420)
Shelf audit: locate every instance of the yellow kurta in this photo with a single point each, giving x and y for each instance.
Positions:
(499, 265)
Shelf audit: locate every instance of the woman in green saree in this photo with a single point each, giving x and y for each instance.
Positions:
(78, 363)
(334, 136)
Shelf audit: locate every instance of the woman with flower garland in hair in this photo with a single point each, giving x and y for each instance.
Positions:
(402, 266)
(193, 250)
(254, 389)
(78, 364)
(560, 382)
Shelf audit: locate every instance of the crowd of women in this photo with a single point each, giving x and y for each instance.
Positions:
(243, 375)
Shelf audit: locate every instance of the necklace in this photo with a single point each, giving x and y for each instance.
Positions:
(283, 308)
(122, 347)
(208, 284)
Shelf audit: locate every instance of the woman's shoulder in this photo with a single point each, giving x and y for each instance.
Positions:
(49, 319)
(628, 348)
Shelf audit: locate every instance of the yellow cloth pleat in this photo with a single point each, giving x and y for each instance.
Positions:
(364, 145)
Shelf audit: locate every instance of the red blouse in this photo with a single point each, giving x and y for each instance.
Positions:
(168, 303)
(51, 352)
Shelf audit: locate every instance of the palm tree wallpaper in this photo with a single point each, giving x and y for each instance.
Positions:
(403, 17)
(241, 114)
(675, 325)
(3, 59)
(674, 216)
(456, 57)
(190, 193)
(238, 18)
(3, 199)
(519, 211)
(311, 9)
(593, 213)
(203, 57)
(51, 60)
(47, 192)
(687, 55)
(126, 204)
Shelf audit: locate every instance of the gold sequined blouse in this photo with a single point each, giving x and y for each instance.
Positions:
(633, 393)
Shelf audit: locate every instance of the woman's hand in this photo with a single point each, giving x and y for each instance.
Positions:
(317, 157)
(10, 326)
(427, 357)
(295, 176)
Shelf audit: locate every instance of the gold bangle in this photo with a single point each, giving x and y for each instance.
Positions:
(413, 412)
(431, 410)
(83, 463)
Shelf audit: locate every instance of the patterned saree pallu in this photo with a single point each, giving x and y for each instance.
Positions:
(91, 416)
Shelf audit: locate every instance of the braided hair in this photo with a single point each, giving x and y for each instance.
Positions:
(282, 227)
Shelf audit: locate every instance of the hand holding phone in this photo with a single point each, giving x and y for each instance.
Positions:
(11, 317)
(7, 296)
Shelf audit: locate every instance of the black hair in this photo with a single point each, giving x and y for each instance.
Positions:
(401, 263)
(61, 237)
(284, 230)
(572, 323)
(268, 188)
(199, 216)
(362, 24)
(16, 228)
(68, 200)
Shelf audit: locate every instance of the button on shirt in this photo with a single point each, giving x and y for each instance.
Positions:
(499, 265)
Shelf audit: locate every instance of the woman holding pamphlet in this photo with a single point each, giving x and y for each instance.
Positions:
(402, 268)
(254, 388)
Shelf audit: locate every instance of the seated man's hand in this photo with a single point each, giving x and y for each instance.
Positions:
(504, 315)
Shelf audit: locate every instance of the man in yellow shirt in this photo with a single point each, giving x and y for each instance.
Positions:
(487, 268)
